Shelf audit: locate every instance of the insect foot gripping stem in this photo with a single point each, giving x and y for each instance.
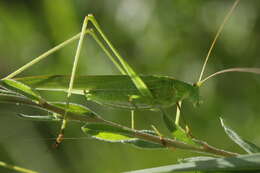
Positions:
(59, 139)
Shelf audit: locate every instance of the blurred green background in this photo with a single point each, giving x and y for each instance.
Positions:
(169, 37)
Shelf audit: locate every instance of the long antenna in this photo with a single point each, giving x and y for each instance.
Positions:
(237, 69)
(216, 37)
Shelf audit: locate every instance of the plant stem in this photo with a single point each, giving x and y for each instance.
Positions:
(16, 168)
(172, 143)
(167, 142)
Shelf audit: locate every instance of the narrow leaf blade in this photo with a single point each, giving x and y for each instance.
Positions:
(15, 99)
(40, 117)
(240, 163)
(244, 144)
(75, 108)
(21, 88)
(107, 133)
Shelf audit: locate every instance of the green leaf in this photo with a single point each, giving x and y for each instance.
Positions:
(113, 134)
(239, 163)
(244, 144)
(2, 91)
(40, 117)
(20, 88)
(98, 127)
(193, 159)
(15, 99)
(75, 108)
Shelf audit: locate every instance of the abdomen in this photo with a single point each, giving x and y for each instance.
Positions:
(111, 90)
